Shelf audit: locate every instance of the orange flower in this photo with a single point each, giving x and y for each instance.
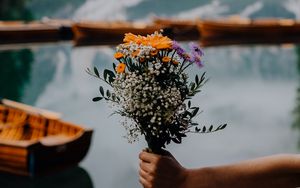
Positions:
(121, 68)
(135, 53)
(155, 40)
(129, 37)
(161, 43)
(175, 62)
(166, 59)
(118, 55)
(158, 41)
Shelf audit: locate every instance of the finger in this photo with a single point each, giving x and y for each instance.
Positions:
(144, 182)
(148, 157)
(147, 176)
(143, 173)
(147, 167)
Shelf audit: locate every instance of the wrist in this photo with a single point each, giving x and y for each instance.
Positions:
(199, 178)
(184, 178)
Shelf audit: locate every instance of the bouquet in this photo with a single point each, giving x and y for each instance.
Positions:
(150, 88)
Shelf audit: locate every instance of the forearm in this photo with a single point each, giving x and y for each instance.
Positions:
(275, 171)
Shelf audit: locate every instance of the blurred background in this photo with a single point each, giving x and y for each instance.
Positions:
(252, 88)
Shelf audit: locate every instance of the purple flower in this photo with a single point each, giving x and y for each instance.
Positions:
(195, 48)
(175, 45)
(180, 51)
(196, 58)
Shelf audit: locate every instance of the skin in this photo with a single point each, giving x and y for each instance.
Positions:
(164, 171)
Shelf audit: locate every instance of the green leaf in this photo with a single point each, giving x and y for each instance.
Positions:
(97, 99)
(197, 129)
(88, 70)
(210, 128)
(108, 93)
(101, 90)
(181, 134)
(176, 140)
(105, 75)
(96, 72)
(195, 111)
(189, 113)
(193, 85)
(113, 96)
(189, 104)
(114, 67)
(168, 140)
(109, 74)
(222, 127)
(197, 79)
(204, 129)
(202, 77)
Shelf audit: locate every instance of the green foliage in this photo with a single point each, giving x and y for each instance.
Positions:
(15, 68)
(195, 86)
(15, 10)
(108, 77)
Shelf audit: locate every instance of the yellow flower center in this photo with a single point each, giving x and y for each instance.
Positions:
(153, 53)
(166, 59)
(142, 60)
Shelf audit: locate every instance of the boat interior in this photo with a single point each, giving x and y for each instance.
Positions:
(19, 125)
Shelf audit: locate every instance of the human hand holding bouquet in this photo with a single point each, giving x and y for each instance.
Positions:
(151, 89)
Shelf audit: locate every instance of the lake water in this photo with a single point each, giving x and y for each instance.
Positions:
(252, 88)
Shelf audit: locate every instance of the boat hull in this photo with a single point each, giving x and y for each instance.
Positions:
(214, 33)
(86, 34)
(33, 32)
(180, 30)
(48, 159)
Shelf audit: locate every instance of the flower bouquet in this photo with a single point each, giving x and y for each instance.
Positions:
(150, 88)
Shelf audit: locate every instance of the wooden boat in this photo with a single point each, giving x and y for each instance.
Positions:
(108, 33)
(34, 32)
(180, 30)
(262, 31)
(35, 142)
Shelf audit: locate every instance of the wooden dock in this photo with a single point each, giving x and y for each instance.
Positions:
(208, 32)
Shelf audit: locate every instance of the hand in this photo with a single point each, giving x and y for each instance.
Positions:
(161, 171)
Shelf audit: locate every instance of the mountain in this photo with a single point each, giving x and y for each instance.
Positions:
(53, 9)
(146, 8)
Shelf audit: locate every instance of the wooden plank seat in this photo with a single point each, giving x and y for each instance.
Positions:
(56, 127)
(13, 126)
(22, 126)
(3, 111)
